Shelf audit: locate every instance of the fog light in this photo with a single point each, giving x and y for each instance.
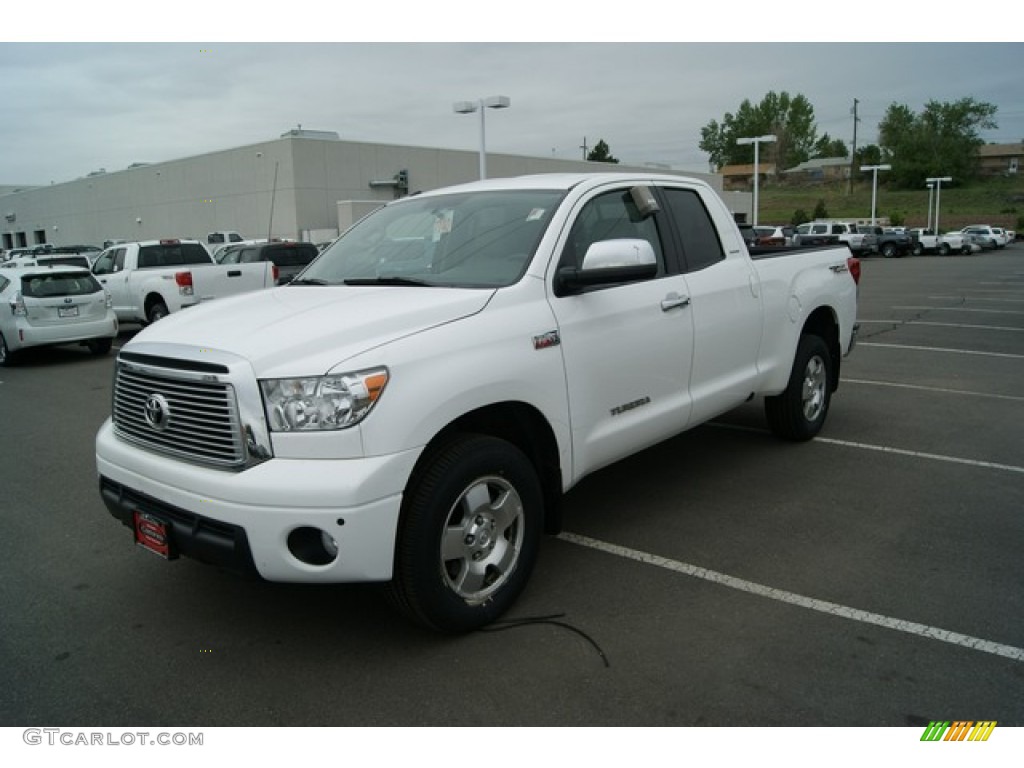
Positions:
(312, 546)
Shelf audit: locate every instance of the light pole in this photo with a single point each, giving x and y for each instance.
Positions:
(874, 184)
(931, 193)
(490, 102)
(757, 141)
(938, 194)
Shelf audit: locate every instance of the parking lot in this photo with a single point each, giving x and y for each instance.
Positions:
(870, 577)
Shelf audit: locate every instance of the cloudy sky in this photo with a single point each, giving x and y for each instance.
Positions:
(72, 107)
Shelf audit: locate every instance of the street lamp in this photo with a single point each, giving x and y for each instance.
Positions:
(938, 194)
(756, 141)
(492, 102)
(931, 194)
(874, 184)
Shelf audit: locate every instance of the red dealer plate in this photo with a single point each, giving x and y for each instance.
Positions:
(152, 534)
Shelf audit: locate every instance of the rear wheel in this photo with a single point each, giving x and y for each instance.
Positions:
(944, 249)
(6, 356)
(918, 249)
(469, 535)
(799, 412)
(157, 311)
(99, 346)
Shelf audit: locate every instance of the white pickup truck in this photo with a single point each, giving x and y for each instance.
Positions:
(412, 407)
(148, 280)
(926, 241)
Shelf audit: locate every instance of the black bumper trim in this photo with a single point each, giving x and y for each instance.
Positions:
(194, 536)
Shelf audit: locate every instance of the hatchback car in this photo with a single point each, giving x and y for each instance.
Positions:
(47, 306)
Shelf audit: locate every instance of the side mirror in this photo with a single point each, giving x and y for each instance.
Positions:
(608, 262)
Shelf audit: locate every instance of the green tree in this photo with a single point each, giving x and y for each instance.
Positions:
(826, 146)
(820, 211)
(799, 217)
(941, 141)
(869, 155)
(601, 154)
(789, 118)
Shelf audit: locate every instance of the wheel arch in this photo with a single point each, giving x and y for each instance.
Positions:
(523, 426)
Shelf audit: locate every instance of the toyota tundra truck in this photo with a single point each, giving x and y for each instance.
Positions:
(412, 407)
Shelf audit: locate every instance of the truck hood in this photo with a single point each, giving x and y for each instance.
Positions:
(308, 330)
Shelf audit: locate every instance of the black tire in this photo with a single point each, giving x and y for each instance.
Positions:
(888, 250)
(799, 412)
(944, 249)
(918, 249)
(469, 534)
(157, 311)
(99, 346)
(6, 356)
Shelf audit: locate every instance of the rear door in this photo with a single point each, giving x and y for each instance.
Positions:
(57, 298)
(725, 305)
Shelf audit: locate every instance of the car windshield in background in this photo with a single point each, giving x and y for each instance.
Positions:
(172, 255)
(470, 240)
(55, 284)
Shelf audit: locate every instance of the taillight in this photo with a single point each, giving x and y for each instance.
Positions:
(184, 281)
(277, 272)
(853, 263)
(18, 305)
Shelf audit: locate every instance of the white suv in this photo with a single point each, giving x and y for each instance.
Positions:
(998, 235)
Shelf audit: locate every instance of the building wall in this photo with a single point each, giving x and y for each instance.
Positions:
(235, 189)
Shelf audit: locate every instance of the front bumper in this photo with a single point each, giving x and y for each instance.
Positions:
(244, 521)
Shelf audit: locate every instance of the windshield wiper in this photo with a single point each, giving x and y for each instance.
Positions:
(308, 281)
(387, 280)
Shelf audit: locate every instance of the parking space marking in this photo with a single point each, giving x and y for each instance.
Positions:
(940, 349)
(920, 454)
(972, 298)
(802, 601)
(966, 309)
(942, 390)
(943, 325)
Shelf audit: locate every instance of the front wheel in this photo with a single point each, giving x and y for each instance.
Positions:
(469, 535)
(888, 250)
(799, 412)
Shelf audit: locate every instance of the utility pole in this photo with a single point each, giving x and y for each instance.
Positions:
(583, 146)
(853, 155)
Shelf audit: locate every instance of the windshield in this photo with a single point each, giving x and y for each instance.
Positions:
(467, 240)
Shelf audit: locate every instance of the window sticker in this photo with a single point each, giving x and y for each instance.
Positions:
(535, 214)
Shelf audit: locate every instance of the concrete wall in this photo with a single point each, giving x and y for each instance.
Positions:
(235, 189)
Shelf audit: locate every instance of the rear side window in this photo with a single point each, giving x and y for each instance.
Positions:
(172, 255)
(48, 285)
(701, 245)
(291, 255)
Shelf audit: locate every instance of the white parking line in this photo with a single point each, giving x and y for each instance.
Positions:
(965, 309)
(940, 349)
(943, 325)
(931, 389)
(972, 298)
(920, 455)
(822, 606)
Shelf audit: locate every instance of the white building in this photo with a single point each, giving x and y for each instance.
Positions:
(306, 185)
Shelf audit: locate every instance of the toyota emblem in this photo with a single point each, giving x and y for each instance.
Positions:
(157, 412)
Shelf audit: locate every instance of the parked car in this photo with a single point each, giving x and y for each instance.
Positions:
(289, 257)
(983, 236)
(50, 259)
(926, 241)
(822, 232)
(889, 242)
(46, 306)
(995, 233)
(770, 236)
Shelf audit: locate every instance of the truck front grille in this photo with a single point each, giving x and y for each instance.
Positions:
(181, 413)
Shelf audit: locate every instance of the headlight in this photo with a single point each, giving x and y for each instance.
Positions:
(322, 402)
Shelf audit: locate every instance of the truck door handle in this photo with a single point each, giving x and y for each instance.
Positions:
(234, 273)
(674, 300)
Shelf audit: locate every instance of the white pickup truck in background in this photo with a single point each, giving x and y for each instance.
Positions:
(926, 241)
(411, 409)
(148, 280)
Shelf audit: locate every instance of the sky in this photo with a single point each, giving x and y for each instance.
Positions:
(76, 99)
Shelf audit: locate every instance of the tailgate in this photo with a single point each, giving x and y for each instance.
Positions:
(218, 281)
